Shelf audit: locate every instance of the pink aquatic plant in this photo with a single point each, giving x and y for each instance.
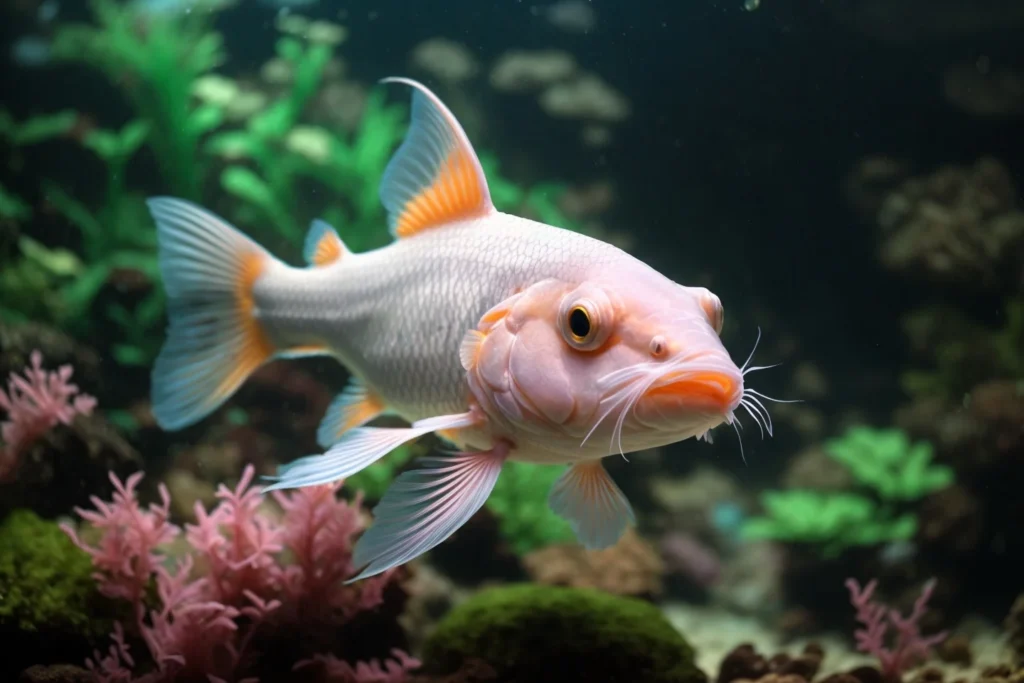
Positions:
(34, 404)
(245, 573)
(909, 647)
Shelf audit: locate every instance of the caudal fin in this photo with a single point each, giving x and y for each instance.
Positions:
(213, 340)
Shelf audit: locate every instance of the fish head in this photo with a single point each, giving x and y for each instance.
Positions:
(607, 364)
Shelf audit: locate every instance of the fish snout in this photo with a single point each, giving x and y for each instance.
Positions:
(696, 390)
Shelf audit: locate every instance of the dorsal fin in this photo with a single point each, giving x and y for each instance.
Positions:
(435, 177)
(323, 246)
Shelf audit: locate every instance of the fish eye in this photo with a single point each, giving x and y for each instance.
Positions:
(579, 324)
(586, 321)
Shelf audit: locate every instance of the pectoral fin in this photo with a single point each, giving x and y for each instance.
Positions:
(593, 504)
(424, 507)
(357, 449)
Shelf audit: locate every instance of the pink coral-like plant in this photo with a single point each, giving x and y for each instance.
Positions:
(34, 404)
(909, 647)
(255, 572)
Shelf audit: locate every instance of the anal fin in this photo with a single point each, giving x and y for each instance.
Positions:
(593, 504)
(423, 507)
(353, 407)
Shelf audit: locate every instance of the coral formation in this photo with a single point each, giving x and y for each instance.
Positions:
(531, 633)
(257, 580)
(962, 226)
(34, 404)
(909, 647)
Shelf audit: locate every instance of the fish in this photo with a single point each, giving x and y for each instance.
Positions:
(507, 338)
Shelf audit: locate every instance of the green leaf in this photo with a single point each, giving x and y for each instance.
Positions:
(130, 356)
(59, 262)
(244, 183)
(74, 211)
(79, 295)
(104, 143)
(205, 118)
(132, 136)
(235, 144)
(11, 207)
(39, 128)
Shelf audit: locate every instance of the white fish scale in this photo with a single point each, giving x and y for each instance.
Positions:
(397, 315)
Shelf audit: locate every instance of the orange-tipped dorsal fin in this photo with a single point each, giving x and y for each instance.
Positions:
(435, 177)
(323, 246)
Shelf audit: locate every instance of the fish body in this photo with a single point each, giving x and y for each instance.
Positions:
(509, 338)
(395, 316)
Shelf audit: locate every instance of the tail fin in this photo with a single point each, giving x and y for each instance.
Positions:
(213, 341)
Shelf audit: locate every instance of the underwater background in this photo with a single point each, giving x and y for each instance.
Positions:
(845, 175)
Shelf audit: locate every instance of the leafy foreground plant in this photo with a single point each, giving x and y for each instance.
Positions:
(257, 581)
(883, 461)
(274, 153)
(60, 286)
(30, 272)
(155, 58)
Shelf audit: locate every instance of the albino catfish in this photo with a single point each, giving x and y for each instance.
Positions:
(509, 338)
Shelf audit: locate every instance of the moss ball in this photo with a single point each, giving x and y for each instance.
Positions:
(50, 608)
(532, 633)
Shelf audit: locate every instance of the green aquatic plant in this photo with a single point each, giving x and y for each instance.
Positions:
(116, 237)
(155, 59)
(532, 633)
(37, 128)
(833, 521)
(540, 199)
(520, 502)
(275, 153)
(12, 207)
(31, 282)
(46, 583)
(883, 461)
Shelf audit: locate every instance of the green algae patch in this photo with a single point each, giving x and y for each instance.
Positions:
(532, 633)
(46, 583)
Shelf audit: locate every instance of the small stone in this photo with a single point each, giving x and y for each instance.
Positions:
(956, 650)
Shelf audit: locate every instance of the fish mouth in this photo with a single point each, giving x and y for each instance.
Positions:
(703, 390)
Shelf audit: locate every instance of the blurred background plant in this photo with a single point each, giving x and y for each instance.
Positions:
(892, 471)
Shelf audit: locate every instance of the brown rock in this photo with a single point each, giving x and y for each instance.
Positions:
(956, 649)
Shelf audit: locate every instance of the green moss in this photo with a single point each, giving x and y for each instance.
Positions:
(46, 582)
(532, 633)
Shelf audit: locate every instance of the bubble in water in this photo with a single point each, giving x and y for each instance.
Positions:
(751, 5)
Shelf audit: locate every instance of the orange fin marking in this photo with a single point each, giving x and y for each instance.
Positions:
(256, 347)
(469, 351)
(323, 246)
(353, 407)
(455, 195)
(435, 177)
(328, 250)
